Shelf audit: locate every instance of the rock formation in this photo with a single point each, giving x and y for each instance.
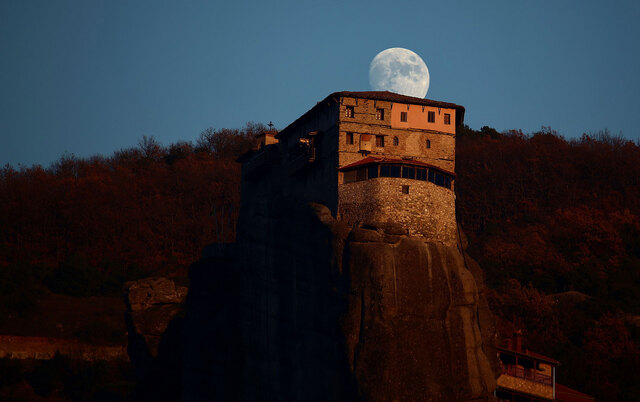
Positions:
(305, 307)
(155, 321)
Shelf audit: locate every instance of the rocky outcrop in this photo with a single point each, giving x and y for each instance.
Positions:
(154, 321)
(412, 327)
(151, 305)
(305, 307)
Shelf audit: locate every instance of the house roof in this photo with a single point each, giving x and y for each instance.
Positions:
(566, 394)
(372, 160)
(398, 98)
(530, 354)
(375, 95)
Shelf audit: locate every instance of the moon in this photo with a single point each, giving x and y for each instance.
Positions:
(401, 71)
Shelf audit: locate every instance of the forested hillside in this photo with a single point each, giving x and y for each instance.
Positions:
(554, 223)
(84, 225)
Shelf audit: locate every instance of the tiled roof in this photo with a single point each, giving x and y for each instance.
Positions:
(370, 160)
(398, 98)
(533, 355)
(566, 394)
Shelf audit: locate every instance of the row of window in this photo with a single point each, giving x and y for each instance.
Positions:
(380, 141)
(404, 171)
(431, 116)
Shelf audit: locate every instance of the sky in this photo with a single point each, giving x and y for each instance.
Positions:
(91, 77)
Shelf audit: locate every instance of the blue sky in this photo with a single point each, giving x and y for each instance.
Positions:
(90, 77)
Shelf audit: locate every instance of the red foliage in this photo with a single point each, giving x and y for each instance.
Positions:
(150, 207)
(549, 216)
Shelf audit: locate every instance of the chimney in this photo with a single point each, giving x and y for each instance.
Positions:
(517, 341)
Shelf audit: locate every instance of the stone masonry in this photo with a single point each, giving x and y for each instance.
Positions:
(427, 211)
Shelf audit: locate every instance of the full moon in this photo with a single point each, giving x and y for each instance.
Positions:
(401, 71)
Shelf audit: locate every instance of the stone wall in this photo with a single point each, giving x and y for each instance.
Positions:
(412, 142)
(427, 211)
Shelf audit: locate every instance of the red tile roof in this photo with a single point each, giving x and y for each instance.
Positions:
(566, 394)
(371, 160)
(533, 355)
(394, 97)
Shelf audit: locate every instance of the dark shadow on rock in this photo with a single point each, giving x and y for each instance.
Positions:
(155, 322)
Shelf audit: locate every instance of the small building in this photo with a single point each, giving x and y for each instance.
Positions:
(368, 156)
(530, 377)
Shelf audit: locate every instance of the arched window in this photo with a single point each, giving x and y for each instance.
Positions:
(428, 144)
(396, 141)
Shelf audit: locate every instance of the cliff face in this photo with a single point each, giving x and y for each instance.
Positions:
(305, 307)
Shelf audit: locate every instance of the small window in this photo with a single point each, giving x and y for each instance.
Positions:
(405, 189)
(396, 141)
(428, 144)
(431, 117)
(349, 111)
(447, 118)
(379, 114)
(380, 141)
(403, 116)
(350, 138)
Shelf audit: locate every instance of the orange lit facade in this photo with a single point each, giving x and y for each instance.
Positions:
(368, 156)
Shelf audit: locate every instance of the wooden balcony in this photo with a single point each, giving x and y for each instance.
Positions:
(527, 374)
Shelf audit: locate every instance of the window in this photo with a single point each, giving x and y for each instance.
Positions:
(379, 114)
(350, 138)
(380, 141)
(405, 171)
(373, 172)
(384, 170)
(348, 112)
(408, 172)
(447, 118)
(389, 170)
(403, 116)
(428, 144)
(396, 141)
(431, 117)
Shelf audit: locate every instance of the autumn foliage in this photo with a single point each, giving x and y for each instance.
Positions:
(554, 223)
(102, 220)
